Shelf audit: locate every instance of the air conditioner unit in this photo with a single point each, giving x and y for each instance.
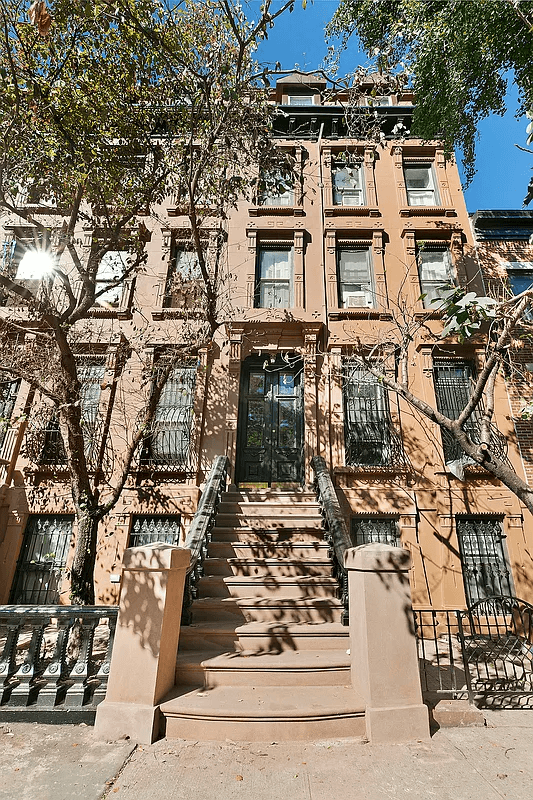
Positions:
(357, 300)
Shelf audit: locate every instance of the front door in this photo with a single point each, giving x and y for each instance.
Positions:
(270, 431)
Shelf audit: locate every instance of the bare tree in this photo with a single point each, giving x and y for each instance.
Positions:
(104, 112)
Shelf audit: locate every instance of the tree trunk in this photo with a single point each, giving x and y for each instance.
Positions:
(82, 572)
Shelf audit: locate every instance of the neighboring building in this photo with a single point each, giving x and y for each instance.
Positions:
(504, 250)
(327, 266)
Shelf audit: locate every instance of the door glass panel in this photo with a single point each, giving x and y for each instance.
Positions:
(286, 423)
(286, 383)
(255, 423)
(257, 383)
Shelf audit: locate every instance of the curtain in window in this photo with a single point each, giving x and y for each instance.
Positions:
(356, 284)
(275, 278)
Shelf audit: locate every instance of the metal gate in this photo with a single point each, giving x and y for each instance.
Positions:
(483, 653)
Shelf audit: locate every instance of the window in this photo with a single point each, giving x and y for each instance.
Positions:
(367, 425)
(300, 100)
(276, 190)
(420, 185)
(355, 279)
(366, 530)
(26, 255)
(42, 560)
(8, 396)
(348, 189)
(275, 277)
(520, 274)
(484, 558)
(453, 385)
(168, 442)
(435, 273)
(381, 100)
(111, 268)
(184, 280)
(150, 529)
(90, 375)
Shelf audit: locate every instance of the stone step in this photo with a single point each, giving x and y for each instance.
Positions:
(266, 535)
(279, 636)
(280, 508)
(214, 635)
(244, 713)
(265, 567)
(268, 521)
(314, 550)
(290, 609)
(267, 586)
(287, 668)
(294, 496)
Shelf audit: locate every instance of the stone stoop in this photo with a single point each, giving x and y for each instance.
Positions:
(266, 656)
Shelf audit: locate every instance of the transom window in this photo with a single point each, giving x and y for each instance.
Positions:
(484, 558)
(348, 186)
(420, 185)
(275, 269)
(355, 278)
(435, 272)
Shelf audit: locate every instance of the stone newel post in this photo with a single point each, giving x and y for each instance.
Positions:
(143, 663)
(382, 643)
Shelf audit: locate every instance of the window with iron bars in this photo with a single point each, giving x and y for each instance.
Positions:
(148, 529)
(453, 386)
(169, 440)
(367, 424)
(484, 558)
(42, 560)
(90, 375)
(366, 530)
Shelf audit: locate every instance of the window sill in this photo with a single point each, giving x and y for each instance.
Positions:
(278, 211)
(109, 313)
(360, 313)
(386, 469)
(178, 313)
(353, 211)
(427, 211)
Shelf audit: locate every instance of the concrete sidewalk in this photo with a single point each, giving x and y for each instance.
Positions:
(59, 763)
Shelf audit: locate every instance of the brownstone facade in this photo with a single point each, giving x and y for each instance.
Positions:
(313, 274)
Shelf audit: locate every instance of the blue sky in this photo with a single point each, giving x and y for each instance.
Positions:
(503, 171)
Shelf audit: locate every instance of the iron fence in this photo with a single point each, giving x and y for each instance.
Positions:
(483, 653)
(55, 658)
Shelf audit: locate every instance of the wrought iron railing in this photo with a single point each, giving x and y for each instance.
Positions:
(337, 534)
(199, 535)
(483, 653)
(55, 658)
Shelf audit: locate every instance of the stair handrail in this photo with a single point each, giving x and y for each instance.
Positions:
(335, 526)
(199, 535)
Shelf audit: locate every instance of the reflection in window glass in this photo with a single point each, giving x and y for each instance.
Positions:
(286, 383)
(257, 383)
